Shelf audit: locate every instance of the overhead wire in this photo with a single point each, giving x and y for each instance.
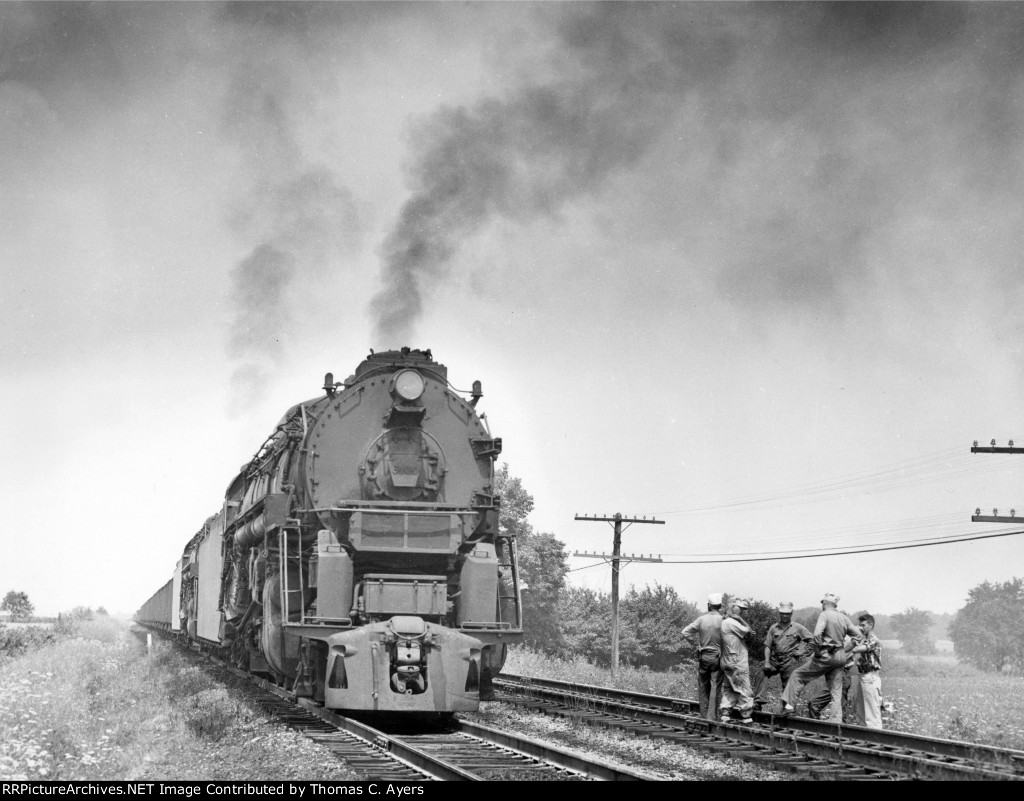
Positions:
(770, 556)
(923, 470)
(776, 557)
(937, 466)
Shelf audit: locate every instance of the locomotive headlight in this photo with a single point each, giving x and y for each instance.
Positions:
(408, 385)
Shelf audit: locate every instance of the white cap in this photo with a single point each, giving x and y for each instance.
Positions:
(715, 599)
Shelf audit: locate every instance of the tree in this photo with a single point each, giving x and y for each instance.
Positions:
(651, 623)
(807, 616)
(761, 616)
(18, 604)
(543, 563)
(911, 627)
(985, 633)
(584, 625)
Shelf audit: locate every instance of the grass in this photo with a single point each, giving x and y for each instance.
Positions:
(934, 696)
(89, 703)
(93, 705)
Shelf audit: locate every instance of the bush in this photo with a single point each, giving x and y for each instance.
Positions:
(69, 624)
(102, 629)
(17, 640)
(186, 681)
(210, 714)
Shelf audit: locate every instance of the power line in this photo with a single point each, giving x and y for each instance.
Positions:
(777, 556)
(809, 539)
(941, 465)
(935, 539)
(959, 538)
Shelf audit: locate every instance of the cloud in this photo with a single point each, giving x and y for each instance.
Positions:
(810, 133)
(297, 211)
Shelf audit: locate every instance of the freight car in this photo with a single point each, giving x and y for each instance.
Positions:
(357, 557)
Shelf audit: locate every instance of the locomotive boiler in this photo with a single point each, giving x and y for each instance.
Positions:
(357, 557)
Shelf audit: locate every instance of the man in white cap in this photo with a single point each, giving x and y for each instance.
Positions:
(829, 657)
(736, 693)
(705, 636)
(785, 645)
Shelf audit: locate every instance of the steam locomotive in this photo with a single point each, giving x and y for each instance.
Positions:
(357, 558)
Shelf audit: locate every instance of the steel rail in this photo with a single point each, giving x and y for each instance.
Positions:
(887, 738)
(507, 751)
(427, 764)
(563, 758)
(879, 750)
(445, 770)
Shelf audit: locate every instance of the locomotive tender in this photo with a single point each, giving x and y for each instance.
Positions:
(357, 558)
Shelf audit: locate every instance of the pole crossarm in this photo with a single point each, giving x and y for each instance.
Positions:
(616, 556)
(619, 518)
(631, 557)
(995, 517)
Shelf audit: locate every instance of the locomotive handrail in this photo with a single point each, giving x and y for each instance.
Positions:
(345, 505)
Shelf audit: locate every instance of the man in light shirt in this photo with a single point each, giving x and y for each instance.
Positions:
(866, 689)
(736, 695)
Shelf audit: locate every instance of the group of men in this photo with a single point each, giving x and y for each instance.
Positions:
(847, 655)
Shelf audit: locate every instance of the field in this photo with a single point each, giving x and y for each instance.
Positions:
(933, 695)
(93, 704)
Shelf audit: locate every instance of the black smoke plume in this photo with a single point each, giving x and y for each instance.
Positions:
(719, 86)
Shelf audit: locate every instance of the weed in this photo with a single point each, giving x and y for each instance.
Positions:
(209, 714)
(18, 640)
(88, 708)
(185, 681)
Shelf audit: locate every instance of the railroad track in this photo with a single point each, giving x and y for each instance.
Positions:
(451, 750)
(811, 747)
(438, 750)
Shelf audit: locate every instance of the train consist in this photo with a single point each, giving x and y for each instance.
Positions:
(357, 557)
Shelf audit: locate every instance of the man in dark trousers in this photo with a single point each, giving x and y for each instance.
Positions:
(817, 705)
(785, 646)
(705, 636)
(830, 632)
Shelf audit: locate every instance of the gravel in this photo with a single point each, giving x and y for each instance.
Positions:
(668, 761)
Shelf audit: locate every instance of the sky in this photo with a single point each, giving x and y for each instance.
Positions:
(751, 269)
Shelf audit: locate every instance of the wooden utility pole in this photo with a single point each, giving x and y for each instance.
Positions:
(617, 519)
(995, 517)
